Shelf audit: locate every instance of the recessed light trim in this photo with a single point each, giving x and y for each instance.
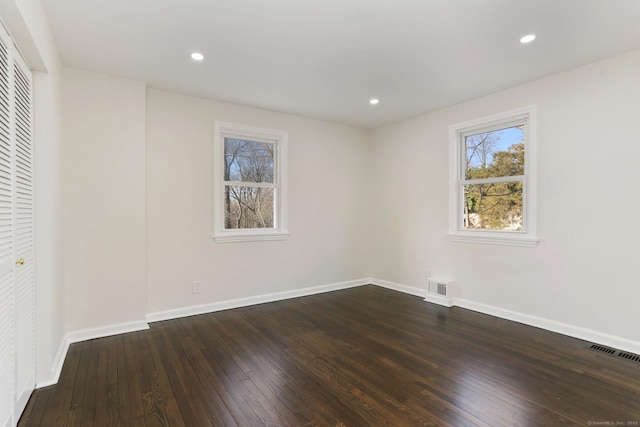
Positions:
(197, 56)
(527, 38)
(374, 101)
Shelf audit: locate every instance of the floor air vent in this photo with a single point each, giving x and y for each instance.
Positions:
(629, 356)
(612, 352)
(602, 349)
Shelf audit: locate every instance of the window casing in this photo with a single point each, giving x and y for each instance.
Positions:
(249, 183)
(492, 181)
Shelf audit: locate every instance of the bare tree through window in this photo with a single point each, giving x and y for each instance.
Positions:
(249, 190)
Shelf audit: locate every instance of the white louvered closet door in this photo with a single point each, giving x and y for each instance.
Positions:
(7, 340)
(23, 234)
(17, 301)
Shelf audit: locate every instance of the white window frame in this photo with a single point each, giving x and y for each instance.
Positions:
(457, 156)
(240, 131)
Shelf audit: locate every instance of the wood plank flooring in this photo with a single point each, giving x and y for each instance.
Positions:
(365, 356)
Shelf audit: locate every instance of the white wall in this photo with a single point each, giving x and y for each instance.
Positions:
(328, 207)
(103, 124)
(27, 23)
(584, 273)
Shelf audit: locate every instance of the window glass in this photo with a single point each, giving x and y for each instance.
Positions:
(495, 153)
(248, 207)
(248, 161)
(495, 206)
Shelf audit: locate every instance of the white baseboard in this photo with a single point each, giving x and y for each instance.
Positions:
(244, 302)
(553, 326)
(526, 319)
(56, 369)
(435, 299)
(83, 335)
(106, 331)
(398, 287)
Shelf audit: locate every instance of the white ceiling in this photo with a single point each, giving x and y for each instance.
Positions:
(327, 58)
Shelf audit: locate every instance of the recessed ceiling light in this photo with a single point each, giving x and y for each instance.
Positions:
(197, 56)
(374, 101)
(528, 38)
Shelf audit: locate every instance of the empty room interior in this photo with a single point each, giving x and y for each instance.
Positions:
(335, 213)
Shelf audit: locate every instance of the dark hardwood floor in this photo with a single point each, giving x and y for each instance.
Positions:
(365, 356)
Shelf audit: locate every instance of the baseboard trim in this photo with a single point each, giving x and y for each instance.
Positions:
(398, 287)
(83, 335)
(244, 302)
(526, 319)
(56, 369)
(553, 326)
(106, 331)
(434, 299)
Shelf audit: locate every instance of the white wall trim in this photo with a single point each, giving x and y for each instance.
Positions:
(398, 287)
(494, 239)
(83, 335)
(105, 331)
(435, 299)
(56, 368)
(244, 302)
(612, 341)
(553, 326)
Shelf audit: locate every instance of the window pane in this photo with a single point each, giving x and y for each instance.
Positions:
(495, 154)
(248, 207)
(248, 161)
(493, 206)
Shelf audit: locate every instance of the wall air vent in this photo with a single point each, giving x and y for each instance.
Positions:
(439, 287)
(440, 291)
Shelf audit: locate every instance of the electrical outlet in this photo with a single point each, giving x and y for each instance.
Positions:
(195, 287)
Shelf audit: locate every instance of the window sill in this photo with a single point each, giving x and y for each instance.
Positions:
(487, 238)
(249, 237)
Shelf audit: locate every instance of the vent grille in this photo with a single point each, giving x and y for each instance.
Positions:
(442, 289)
(603, 349)
(439, 287)
(629, 356)
(613, 352)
